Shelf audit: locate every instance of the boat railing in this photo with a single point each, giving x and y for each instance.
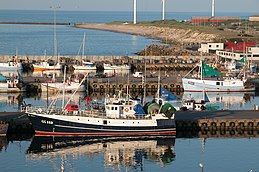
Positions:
(44, 110)
(84, 113)
(101, 114)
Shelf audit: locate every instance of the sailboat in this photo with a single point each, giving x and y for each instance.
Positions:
(84, 65)
(12, 65)
(48, 64)
(210, 80)
(68, 85)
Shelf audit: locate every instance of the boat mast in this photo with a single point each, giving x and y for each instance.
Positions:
(127, 97)
(201, 70)
(144, 78)
(55, 32)
(158, 85)
(83, 49)
(64, 82)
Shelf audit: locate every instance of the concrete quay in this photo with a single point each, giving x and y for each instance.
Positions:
(226, 120)
(223, 122)
(111, 59)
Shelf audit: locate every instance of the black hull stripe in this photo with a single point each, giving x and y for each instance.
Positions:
(113, 130)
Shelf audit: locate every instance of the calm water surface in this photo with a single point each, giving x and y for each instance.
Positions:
(181, 154)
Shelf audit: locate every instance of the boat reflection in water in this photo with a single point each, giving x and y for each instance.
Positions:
(118, 153)
(3, 143)
(224, 100)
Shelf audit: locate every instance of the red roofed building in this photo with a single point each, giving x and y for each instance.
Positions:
(239, 46)
(216, 19)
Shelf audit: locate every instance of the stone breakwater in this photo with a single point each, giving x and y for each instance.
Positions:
(177, 36)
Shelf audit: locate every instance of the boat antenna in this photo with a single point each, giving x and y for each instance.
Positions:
(200, 67)
(64, 82)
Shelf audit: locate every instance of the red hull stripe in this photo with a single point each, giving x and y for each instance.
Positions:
(43, 133)
(219, 91)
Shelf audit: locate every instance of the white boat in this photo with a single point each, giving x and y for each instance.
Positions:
(68, 85)
(8, 85)
(85, 66)
(10, 66)
(210, 80)
(43, 65)
(115, 67)
(120, 116)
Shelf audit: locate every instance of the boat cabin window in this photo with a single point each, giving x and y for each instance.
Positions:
(128, 102)
(113, 108)
(217, 83)
(104, 121)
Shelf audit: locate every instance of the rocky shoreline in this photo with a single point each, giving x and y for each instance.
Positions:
(181, 38)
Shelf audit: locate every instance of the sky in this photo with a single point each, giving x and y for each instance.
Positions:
(142, 5)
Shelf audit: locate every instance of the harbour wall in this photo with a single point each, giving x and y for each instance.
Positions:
(5, 58)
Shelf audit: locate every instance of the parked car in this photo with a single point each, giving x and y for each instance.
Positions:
(138, 74)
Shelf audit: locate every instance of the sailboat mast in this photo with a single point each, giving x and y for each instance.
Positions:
(55, 32)
(127, 97)
(83, 50)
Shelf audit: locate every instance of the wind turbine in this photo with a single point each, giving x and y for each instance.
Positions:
(213, 8)
(134, 11)
(163, 9)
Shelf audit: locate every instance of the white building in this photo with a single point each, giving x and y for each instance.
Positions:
(252, 54)
(254, 18)
(211, 47)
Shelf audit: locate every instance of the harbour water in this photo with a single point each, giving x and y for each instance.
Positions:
(238, 153)
(184, 153)
(38, 39)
